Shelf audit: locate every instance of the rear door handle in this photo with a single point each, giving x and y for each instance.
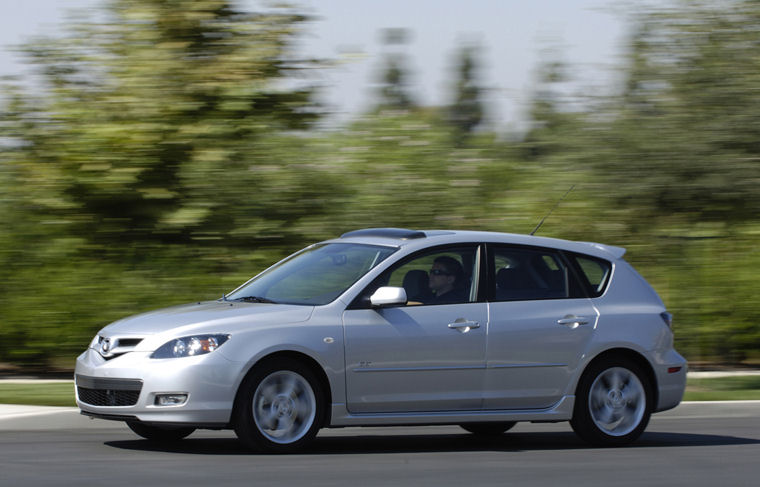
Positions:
(573, 321)
(463, 326)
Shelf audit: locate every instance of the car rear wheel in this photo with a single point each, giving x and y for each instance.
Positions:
(613, 403)
(279, 407)
(488, 429)
(159, 433)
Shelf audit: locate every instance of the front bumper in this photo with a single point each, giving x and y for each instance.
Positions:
(125, 387)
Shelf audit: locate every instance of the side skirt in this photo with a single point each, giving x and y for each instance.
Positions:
(561, 411)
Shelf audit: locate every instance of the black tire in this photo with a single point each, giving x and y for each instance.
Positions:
(158, 433)
(279, 407)
(613, 402)
(488, 429)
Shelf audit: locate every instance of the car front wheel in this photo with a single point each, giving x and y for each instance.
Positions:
(613, 403)
(279, 408)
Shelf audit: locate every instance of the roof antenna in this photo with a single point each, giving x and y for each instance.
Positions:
(550, 211)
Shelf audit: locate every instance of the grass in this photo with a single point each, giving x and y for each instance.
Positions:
(62, 394)
(38, 394)
(723, 388)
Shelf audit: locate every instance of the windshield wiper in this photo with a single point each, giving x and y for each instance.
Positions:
(255, 299)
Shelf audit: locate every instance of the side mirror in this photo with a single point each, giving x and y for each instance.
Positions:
(388, 296)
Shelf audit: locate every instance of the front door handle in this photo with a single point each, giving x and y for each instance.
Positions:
(573, 321)
(463, 326)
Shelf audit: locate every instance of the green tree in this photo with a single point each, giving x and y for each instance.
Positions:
(684, 134)
(555, 126)
(466, 112)
(153, 120)
(160, 147)
(678, 153)
(394, 81)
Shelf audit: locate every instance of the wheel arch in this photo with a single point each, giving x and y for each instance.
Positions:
(306, 360)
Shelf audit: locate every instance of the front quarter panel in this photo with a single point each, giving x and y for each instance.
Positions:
(320, 338)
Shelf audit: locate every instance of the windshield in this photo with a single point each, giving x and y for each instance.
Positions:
(315, 276)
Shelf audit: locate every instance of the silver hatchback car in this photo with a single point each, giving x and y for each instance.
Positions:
(390, 326)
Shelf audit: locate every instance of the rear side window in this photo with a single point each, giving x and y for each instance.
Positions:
(594, 272)
(523, 274)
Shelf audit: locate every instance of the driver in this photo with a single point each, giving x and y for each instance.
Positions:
(446, 279)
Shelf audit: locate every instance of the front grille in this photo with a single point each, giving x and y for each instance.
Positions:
(98, 391)
(112, 347)
(107, 397)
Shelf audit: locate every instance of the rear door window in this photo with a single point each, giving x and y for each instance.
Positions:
(523, 274)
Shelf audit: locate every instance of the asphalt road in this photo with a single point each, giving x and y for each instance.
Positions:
(697, 444)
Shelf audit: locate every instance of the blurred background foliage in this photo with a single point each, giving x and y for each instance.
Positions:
(167, 150)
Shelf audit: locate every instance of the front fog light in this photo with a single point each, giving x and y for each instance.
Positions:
(170, 399)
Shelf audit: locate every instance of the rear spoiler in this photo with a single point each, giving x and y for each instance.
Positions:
(616, 252)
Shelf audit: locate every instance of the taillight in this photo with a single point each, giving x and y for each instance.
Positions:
(667, 318)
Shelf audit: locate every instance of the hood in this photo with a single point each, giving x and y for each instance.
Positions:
(207, 317)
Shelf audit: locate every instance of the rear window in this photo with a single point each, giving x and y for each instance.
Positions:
(595, 272)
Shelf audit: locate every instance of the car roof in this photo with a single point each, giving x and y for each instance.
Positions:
(402, 237)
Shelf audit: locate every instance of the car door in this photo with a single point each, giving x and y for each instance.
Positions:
(424, 356)
(540, 324)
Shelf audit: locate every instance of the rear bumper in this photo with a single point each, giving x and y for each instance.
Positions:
(671, 382)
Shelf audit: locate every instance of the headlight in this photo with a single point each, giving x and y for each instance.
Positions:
(190, 346)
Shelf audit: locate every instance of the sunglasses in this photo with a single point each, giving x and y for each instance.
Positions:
(439, 272)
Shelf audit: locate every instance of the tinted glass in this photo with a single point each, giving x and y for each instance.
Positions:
(314, 276)
(527, 274)
(596, 272)
(446, 276)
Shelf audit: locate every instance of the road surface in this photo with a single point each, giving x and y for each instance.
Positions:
(697, 444)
